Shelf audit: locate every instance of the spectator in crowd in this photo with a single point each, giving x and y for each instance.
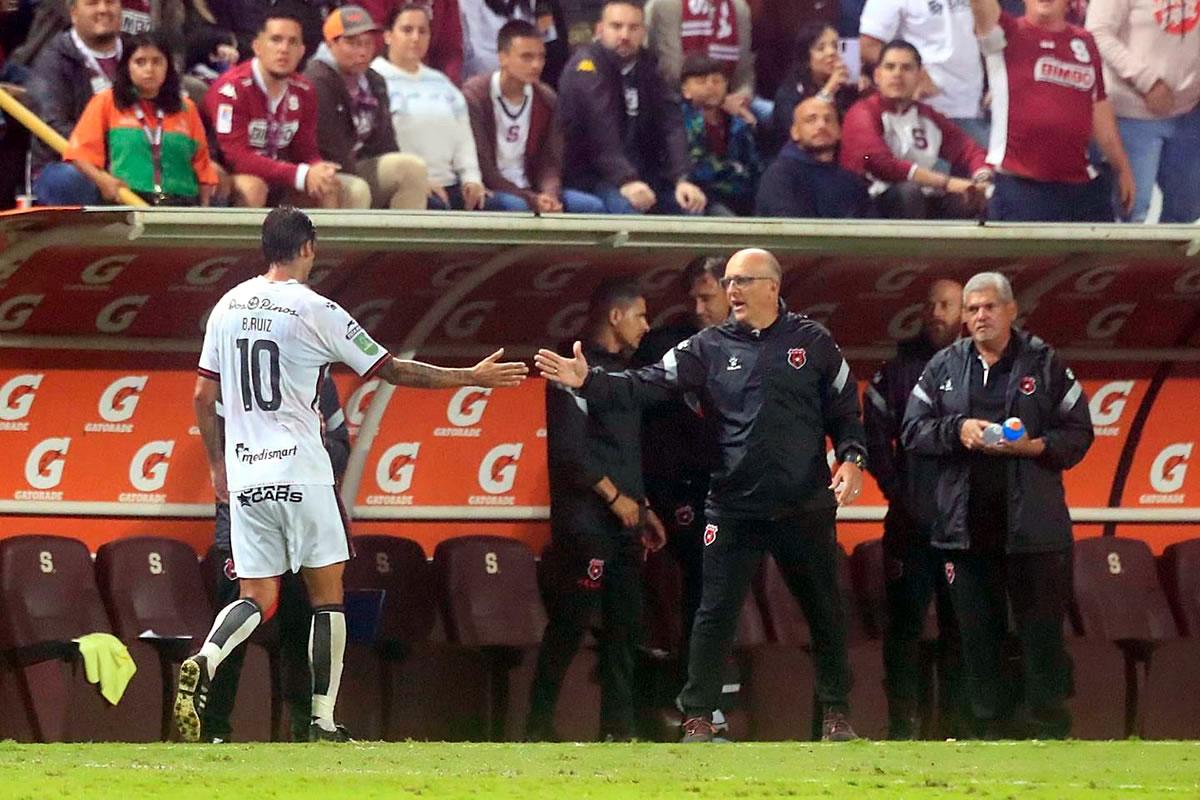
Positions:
(776, 26)
(481, 23)
(294, 612)
(52, 17)
(211, 54)
(724, 155)
(806, 180)
(718, 29)
(356, 130)
(445, 34)
(818, 71)
(1048, 102)
(245, 18)
(912, 568)
(73, 66)
(775, 385)
(430, 115)
(951, 72)
(624, 137)
(142, 134)
(1152, 72)
(677, 456)
(14, 137)
(1003, 529)
(512, 117)
(897, 143)
(600, 525)
(264, 116)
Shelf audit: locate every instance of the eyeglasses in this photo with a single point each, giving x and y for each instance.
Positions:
(742, 281)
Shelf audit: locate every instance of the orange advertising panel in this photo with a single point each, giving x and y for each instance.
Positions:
(1164, 473)
(1113, 402)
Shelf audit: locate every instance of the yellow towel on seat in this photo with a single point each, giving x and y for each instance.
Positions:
(106, 661)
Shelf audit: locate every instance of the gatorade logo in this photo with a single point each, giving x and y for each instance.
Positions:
(104, 271)
(465, 410)
(452, 273)
(120, 399)
(467, 319)
(897, 279)
(1107, 406)
(1098, 279)
(567, 322)
(498, 474)
(820, 312)
(148, 468)
(118, 315)
(356, 407)
(396, 468)
(209, 271)
(45, 463)
(1167, 474)
(16, 399)
(16, 311)
(1107, 322)
(907, 322)
(557, 277)
(371, 313)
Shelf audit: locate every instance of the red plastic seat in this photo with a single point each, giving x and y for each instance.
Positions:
(488, 588)
(1179, 568)
(49, 596)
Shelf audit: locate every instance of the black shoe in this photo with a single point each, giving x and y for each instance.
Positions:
(191, 696)
(836, 728)
(697, 730)
(318, 734)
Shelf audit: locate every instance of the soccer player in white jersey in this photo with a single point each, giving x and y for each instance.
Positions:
(267, 347)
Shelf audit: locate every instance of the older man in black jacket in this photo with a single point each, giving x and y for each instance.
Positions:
(623, 133)
(774, 384)
(356, 120)
(1003, 526)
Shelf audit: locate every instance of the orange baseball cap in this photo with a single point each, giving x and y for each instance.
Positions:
(348, 21)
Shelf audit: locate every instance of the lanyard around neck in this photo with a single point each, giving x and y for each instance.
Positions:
(154, 139)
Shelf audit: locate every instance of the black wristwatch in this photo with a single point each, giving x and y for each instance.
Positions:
(856, 458)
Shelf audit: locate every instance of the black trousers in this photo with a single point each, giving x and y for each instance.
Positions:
(295, 619)
(585, 574)
(805, 548)
(680, 506)
(915, 575)
(1037, 586)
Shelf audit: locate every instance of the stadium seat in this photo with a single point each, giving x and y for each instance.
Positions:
(49, 596)
(155, 585)
(1179, 568)
(1118, 599)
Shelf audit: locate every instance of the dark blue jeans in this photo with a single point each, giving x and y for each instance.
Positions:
(1023, 200)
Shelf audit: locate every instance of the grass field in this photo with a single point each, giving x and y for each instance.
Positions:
(530, 772)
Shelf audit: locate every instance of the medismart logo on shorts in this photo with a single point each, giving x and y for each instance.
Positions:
(16, 400)
(117, 404)
(464, 411)
(497, 475)
(246, 456)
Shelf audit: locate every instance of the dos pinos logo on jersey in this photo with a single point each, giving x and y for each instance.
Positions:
(497, 475)
(16, 401)
(1168, 473)
(465, 412)
(394, 474)
(117, 405)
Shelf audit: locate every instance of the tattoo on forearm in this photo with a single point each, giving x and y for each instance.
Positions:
(419, 375)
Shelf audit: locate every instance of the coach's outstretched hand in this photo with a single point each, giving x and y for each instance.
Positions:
(492, 372)
(570, 372)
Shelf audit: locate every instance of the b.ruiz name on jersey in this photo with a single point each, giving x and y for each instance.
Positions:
(256, 324)
(1065, 73)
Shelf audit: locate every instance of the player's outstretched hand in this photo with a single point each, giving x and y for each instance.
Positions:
(494, 372)
(570, 372)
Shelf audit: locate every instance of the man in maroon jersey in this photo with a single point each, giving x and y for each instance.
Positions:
(265, 118)
(1048, 101)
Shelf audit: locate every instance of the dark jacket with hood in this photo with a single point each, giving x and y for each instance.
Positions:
(798, 185)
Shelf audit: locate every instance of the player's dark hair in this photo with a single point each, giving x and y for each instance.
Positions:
(697, 268)
(284, 232)
(900, 44)
(638, 4)
(403, 8)
(610, 293)
(282, 9)
(515, 29)
(698, 65)
(126, 95)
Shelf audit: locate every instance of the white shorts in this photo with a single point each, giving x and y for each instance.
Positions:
(274, 529)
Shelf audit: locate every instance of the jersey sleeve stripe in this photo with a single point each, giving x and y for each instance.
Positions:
(378, 365)
(208, 373)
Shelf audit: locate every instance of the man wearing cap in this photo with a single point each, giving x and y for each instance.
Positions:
(264, 116)
(356, 130)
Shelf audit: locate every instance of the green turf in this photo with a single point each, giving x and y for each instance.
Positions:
(573, 772)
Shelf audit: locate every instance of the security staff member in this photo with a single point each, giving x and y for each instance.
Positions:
(774, 383)
(599, 524)
(294, 613)
(1003, 525)
(675, 461)
(912, 568)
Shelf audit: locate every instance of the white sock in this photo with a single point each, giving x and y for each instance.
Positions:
(326, 650)
(233, 625)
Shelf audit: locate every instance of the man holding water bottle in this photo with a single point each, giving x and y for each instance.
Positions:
(1002, 524)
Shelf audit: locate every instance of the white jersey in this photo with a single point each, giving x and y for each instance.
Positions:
(512, 133)
(269, 344)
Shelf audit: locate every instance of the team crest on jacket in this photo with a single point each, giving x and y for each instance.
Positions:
(230, 572)
(596, 569)
(797, 357)
(684, 516)
(1028, 385)
(710, 534)
(949, 572)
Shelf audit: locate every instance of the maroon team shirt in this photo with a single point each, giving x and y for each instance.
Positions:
(1044, 85)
